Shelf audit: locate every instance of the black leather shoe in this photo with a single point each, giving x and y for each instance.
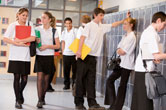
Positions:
(80, 107)
(96, 107)
(39, 104)
(66, 88)
(50, 90)
(18, 106)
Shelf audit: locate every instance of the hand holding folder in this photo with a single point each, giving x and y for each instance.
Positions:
(85, 49)
(23, 32)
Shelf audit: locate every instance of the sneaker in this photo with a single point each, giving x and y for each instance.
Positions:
(80, 107)
(96, 107)
(18, 106)
(39, 104)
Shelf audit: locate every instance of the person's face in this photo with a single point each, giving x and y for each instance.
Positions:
(99, 17)
(161, 25)
(23, 17)
(68, 24)
(45, 19)
(127, 26)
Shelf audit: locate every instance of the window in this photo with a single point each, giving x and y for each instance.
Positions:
(73, 5)
(59, 17)
(39, 3)
(89, 5)
(5, 20)
(2, 64)
(2, 53)
(36, 14)
(56, 4)
(22, 3)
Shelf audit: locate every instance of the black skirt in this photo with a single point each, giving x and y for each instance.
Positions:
(44, 64)
(19, 67)
(139, 99)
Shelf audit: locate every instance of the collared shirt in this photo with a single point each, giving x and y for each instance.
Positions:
(94, 34)
(18, 53)
(127, 44)
(79, 32)
(68, 38)
(46, 39)
(151, 38)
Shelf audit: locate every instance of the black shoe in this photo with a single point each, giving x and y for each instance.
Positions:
(18, 106)
(39, 104)
(44, 103)
(66, 88)
(50, 90)
(80, 107)
(96, 107)
(110, 108)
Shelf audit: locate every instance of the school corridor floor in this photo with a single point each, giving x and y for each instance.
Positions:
(58, 100)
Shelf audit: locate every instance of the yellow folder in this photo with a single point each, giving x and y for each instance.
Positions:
(85, 49)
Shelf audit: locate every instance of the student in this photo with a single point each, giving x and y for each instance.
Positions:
(44, 63)
(84, 20)
(92, 36)
(151, 38)
(50, 88)
(19, 55)
(69, 61)
(126, 51)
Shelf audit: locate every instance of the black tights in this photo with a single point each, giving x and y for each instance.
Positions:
(42, 85)
(19, 85)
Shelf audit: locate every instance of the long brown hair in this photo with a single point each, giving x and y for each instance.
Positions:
(20, 11)
(53, 19)
(131, 21)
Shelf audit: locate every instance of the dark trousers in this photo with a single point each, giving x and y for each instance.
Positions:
(86, 72)
(68, 63)
(111, 98)
(140, 100)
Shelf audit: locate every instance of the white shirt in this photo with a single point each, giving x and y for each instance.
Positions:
(94, 34)
(46, 39)
(79, 32)
(151, 38)
(128, 44)
(68, 38)
(18, 53)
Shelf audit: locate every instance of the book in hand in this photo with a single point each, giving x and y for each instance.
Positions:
(85, 49)
(23, 32)
(37, 33)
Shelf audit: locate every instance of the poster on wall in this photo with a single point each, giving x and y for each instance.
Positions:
(100, 4)
(5, 20)
(3, 31)
(3, 43)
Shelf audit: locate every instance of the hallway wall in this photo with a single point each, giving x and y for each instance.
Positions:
(143, 16)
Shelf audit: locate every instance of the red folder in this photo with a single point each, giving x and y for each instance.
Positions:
(23, 32)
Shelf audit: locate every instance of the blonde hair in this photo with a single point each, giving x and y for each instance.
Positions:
(20, 11)
(85, 19)
(131, 21)
(53, 19)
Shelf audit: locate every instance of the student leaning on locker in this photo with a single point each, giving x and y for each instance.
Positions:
(126, 51)
(19, 55)
(69, 61)
(92, 36)
(44, 62)
(151, 38)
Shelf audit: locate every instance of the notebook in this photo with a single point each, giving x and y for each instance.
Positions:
(23, 32)
(85, 49)
(37, 33)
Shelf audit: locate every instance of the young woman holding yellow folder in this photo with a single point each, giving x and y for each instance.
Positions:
(19, 55)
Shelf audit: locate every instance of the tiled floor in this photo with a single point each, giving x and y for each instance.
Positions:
(58, 100)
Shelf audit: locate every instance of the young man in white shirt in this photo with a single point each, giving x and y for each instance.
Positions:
(92, 36)
(151, 38)
(69, 61)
